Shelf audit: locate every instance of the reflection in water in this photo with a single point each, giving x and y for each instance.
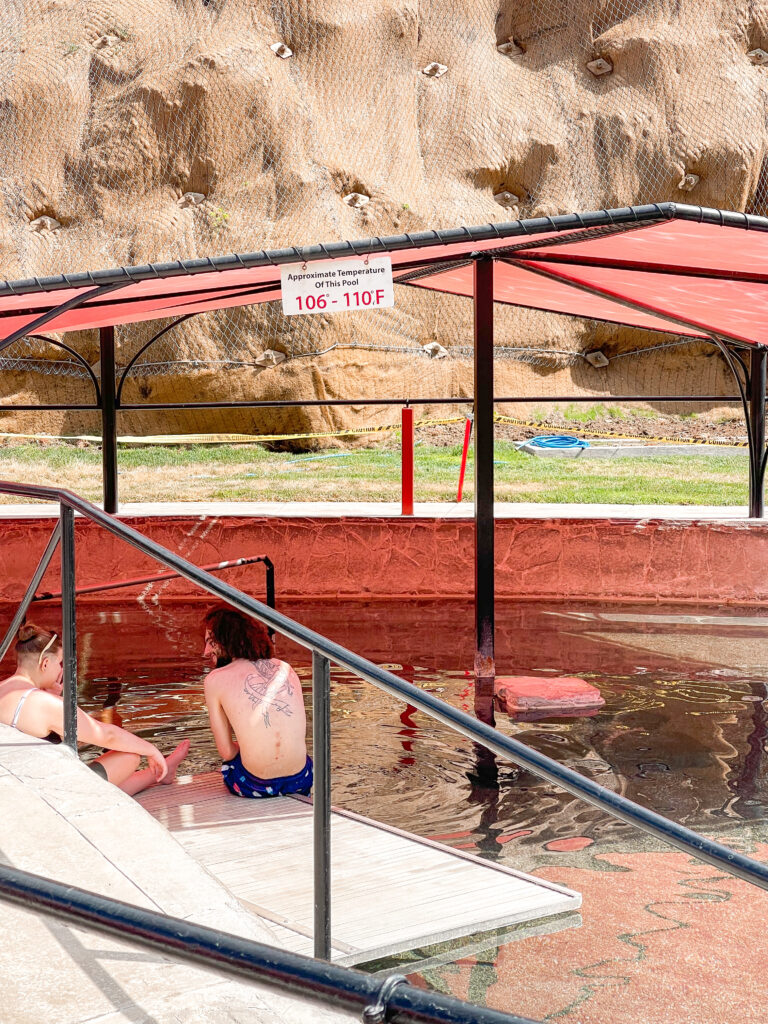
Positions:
(114, 693)
(744, 784)
(486, 773)
(682, 731)
(683, 736)
(410, 731)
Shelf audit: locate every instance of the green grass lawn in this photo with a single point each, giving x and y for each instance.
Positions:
(252, 473)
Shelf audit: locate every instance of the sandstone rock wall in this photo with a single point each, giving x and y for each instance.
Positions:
(159, 129)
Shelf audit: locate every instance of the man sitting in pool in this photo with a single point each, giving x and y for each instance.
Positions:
(255, 708)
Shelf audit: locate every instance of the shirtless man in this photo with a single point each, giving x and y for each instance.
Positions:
(255, 708)
(30, 702)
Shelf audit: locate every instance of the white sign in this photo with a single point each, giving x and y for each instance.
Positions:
(336, 286)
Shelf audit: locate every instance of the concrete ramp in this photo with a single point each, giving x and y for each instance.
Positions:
(62, 821)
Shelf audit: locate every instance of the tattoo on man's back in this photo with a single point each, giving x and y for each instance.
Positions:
(256, 688)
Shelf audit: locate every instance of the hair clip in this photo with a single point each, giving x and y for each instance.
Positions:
(46, 649)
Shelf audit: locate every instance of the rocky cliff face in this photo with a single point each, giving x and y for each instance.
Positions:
(142, 130)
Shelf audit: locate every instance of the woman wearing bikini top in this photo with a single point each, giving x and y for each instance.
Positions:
(30, 702)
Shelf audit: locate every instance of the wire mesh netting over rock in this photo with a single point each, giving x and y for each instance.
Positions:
(136, 131)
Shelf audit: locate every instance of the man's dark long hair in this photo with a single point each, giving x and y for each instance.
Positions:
(238, 636)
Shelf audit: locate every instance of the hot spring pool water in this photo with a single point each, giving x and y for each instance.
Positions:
(683, 731)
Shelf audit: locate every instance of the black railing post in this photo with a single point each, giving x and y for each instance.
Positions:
(270, 580)
(21, 611)
(757, 366)
(68, 627)
(485, 668)
(321, 753)
(108, 418)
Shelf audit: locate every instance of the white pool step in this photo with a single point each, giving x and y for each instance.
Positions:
(391, 891)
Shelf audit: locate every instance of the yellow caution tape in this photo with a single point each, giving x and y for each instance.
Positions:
(182, 439)
(432, 423)
(186, 439)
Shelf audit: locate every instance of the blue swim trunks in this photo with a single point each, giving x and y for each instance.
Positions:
(240, 782)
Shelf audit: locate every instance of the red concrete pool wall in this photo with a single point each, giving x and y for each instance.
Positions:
(364, 558)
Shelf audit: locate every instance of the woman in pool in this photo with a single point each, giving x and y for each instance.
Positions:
(30, 702)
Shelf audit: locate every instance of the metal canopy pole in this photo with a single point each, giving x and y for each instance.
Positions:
(485, 668)
(757, 375)
(108, 418)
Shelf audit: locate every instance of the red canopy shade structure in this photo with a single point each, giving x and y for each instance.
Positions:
(665, 267)
(695, 278)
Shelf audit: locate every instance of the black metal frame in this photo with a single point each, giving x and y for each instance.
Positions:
(321, 751)
(627, 216)
(137, 355)
(752, 388)
(109, 407)
(76, 355)
(31, 596)
(280, 969)
(269, 582)
(504, 746)
(101, 283)
(312, 403)
(68, 623)
(485, 566)
(756, 427)
(751, 382)
(290, 972)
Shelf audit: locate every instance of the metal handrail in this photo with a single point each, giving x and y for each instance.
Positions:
(545, 767)
(161, 577)
(326, 651)
(394, 999)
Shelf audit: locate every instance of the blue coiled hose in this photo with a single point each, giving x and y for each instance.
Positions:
(557, 441)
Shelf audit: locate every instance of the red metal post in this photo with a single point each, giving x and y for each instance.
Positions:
(464, 454)
(407, 460)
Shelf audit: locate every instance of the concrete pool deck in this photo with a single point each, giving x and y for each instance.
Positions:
(391, 509)
(62, 821)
